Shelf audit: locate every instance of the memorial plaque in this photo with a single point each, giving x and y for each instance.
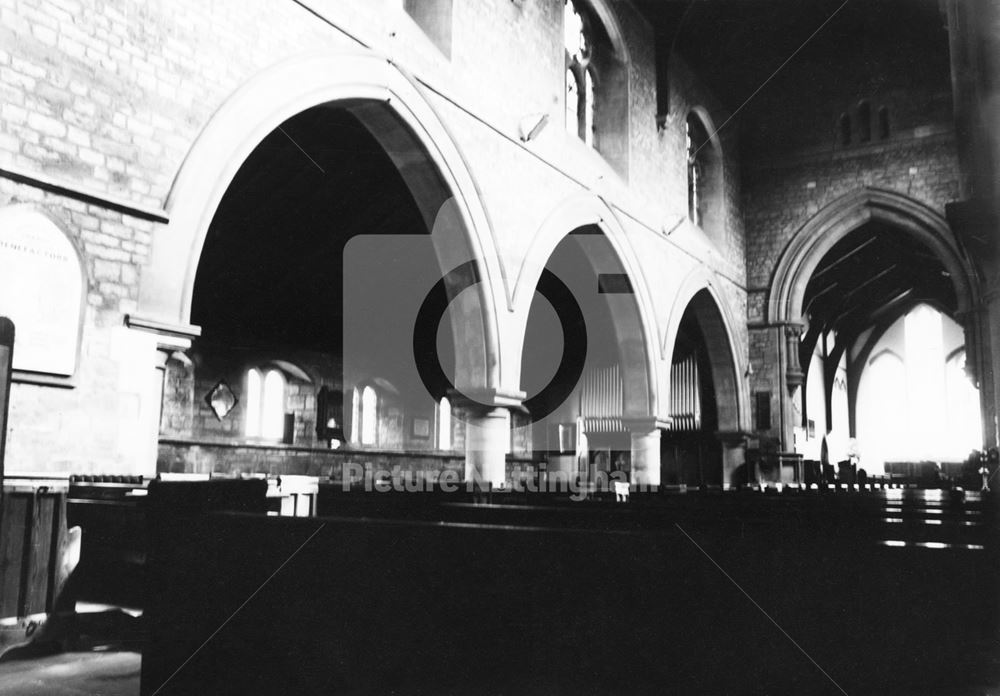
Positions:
(41, 290)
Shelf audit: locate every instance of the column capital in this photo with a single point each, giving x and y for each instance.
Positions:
(172, 336)
(794, 329)
(733, 436)
(794, 376)
(646, 424)
(486, 398)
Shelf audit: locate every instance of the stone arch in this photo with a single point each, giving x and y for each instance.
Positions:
(706, 118)
(260, 106)
(580, 211)
(727, 359)
(609, 21)
(838, 219)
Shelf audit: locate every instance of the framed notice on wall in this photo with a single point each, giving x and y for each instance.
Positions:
(42, 291)
(421, 428)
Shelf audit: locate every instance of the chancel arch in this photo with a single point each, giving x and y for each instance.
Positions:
(831, 224)
(847, 278)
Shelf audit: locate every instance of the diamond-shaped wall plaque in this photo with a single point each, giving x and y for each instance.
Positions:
(221, 399)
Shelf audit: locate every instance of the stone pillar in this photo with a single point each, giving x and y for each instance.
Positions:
(989, 385)
(734, 450)
(487, 437)
(144, 346)
(975, 62)
(793, 377)
(976, 223)
(645, 436)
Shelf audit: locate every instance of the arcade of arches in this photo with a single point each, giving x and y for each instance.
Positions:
(655, 287)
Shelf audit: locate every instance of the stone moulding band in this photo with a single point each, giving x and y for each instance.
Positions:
(102, 200)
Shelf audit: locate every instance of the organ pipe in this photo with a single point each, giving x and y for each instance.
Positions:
(685, 397)
(601, 399)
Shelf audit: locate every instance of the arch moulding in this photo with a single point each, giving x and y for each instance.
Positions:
(843, 216)
(583, 210)
(254, 110)
(701, 278)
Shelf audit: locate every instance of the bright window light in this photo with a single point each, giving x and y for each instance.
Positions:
(925, 383)
(265, 404)
(920, 406)
(369, 416)
(254, 389)
(273, 406)
(444, 424)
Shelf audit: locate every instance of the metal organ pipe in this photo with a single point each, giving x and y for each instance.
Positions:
(601, 399)
(685, 398)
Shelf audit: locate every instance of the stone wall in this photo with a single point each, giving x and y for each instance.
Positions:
(795, 161)
(234, 459)
(102, 102)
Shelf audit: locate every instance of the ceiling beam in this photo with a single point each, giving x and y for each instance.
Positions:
(872, 279)
(843, 257)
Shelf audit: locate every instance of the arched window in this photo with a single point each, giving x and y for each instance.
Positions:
(356, 416)
(845, 129)
(579, 73)
(265, 404)
(369, 416)
(921, 405)
(444, 424)
(693, 175)
(703, 176)
(885, 436)
(364, 416)
(925, 381)
(864, 122)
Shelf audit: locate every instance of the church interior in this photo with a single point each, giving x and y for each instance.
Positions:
(502, 347)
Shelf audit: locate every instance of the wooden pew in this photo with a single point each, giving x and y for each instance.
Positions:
(113, 520)
(37, 555)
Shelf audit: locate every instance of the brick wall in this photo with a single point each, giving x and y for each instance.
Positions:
(85, 428)
(101, 102)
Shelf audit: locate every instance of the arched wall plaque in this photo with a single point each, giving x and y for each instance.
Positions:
(42, 291)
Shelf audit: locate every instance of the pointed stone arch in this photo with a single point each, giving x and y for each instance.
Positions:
(260, 106)
(699, 298)
(846, 214)
(728, 359)
(581, 211)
